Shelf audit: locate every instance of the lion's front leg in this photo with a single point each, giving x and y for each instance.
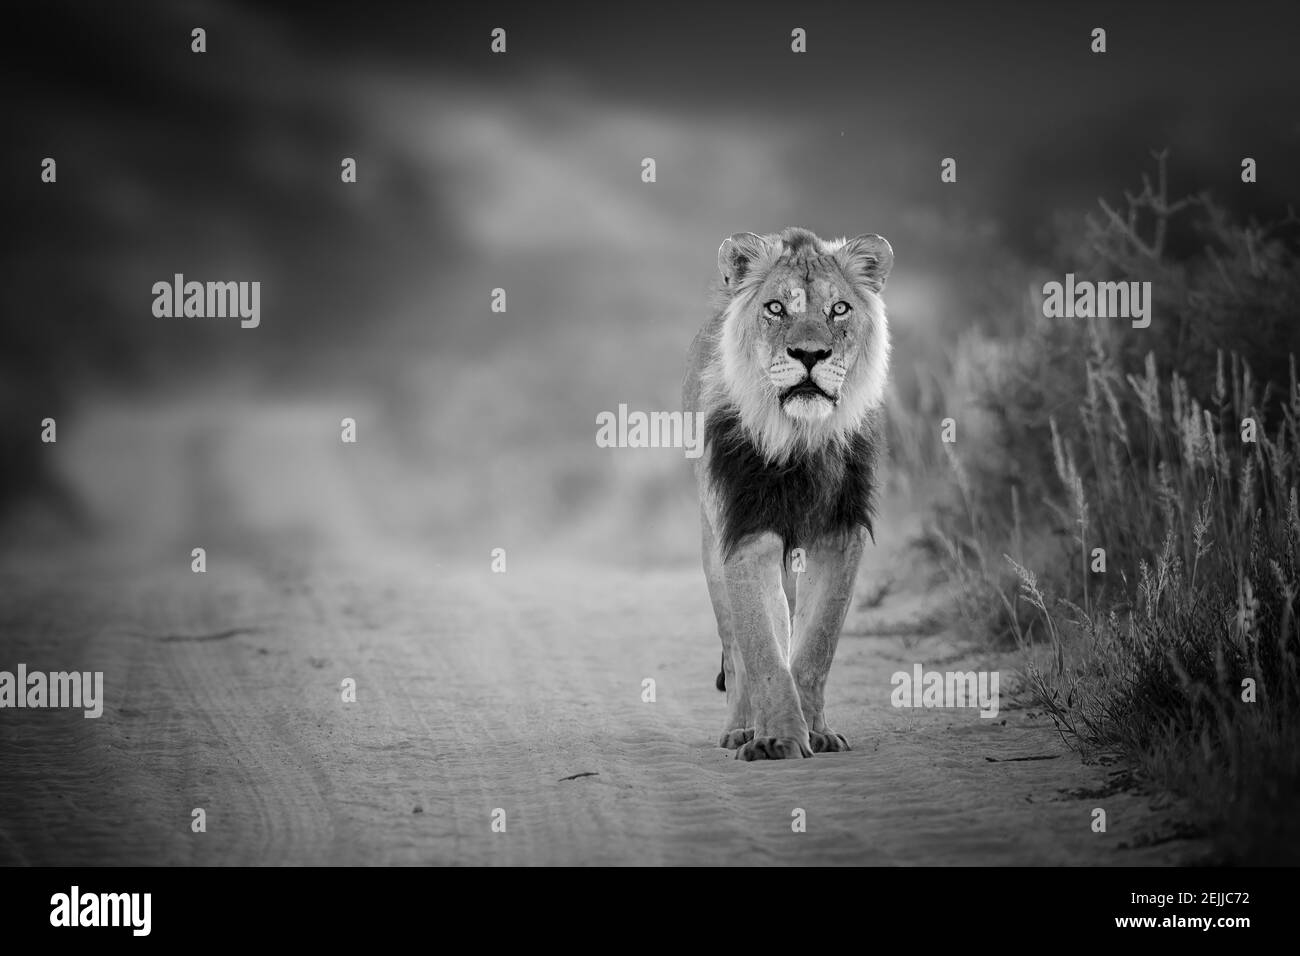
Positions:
(761, 629)
(825, 590)
(739, 726)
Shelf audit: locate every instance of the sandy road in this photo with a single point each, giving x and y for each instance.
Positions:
(477, 691)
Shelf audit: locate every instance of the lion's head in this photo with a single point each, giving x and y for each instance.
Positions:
(804, 347)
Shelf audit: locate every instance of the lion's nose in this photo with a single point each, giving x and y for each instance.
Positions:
(809, 358)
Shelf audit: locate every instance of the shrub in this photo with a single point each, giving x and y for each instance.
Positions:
(1131, 440)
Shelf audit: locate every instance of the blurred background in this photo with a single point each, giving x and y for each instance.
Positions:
(522, 171)
(476, 429)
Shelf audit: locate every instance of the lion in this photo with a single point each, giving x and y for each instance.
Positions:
(790, 375)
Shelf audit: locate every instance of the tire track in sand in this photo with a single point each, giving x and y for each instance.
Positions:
(474, 691)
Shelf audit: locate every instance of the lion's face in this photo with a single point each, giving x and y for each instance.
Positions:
(809, 326)
(804, 350)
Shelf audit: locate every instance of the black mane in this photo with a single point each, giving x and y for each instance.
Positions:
(813, 495)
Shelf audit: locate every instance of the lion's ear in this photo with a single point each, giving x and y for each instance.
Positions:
(737, 253)
(867, 259)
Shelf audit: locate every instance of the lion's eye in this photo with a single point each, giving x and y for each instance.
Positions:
(774, 308)
(840, 308)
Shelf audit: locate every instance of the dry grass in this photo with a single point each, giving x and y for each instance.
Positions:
(1131, 440)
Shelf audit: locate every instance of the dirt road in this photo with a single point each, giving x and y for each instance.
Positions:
(475, 692)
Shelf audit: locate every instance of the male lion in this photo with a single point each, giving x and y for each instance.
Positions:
(790, 374)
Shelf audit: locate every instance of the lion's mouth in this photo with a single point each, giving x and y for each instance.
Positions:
(807, 388)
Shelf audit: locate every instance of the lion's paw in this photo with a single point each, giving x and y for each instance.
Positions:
(828, 742)
(773, 748)
(732, 739)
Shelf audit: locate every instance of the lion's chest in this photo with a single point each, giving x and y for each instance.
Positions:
(809, 497)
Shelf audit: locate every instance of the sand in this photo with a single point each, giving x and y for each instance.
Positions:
(478, 692)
